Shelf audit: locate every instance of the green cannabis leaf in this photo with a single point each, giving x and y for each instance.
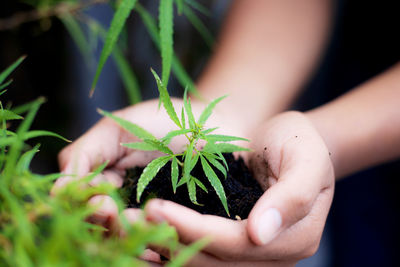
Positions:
(182, 164)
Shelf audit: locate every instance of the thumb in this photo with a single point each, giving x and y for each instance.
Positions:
(290, 199)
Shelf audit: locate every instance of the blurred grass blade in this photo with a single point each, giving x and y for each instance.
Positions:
(37, 133)
(117, 23)
(124, 69)
(215, 182)
(166, 100)
(166, 22)
(128, 77)
(4, 74)
(26, 158)
(149, 173)
(9, 115)
(129, 126)
(199, 26)
(199, 7)
(75, 31)
(208, 110)
(187, 253)
(4, 85)
(179, 5)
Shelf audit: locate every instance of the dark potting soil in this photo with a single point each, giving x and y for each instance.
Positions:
(241, 189)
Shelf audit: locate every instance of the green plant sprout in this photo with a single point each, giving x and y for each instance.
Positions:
(37, 229)
(194, 131)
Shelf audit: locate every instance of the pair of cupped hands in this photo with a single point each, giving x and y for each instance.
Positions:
(288, 158)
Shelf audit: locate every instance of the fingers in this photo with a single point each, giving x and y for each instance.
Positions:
(100, 144)
(229, 237)
(304, 169)
(106, 213)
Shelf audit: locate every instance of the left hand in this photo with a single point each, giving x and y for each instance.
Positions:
(286, 224)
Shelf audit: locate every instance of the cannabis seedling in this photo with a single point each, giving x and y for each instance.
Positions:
(194, 131)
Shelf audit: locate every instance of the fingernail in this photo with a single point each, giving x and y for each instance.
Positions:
(268, 225)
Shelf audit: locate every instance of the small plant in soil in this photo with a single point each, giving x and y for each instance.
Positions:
(182, 164)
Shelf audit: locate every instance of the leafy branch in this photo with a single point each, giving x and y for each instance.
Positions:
(211, 156)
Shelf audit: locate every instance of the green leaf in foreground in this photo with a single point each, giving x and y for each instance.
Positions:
(129, 126)
(191, 185)
(9, 115)
(187, 253)
(166, 100)
(117, 23)
(149, 173)
(6, 72)
(166, 20)
(215, 182)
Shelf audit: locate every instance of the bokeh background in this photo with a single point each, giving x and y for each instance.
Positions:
(363, 224)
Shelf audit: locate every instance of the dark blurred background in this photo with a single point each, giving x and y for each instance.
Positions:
(362, 229)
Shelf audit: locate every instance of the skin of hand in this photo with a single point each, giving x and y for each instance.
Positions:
(291, 160)
(102, 143)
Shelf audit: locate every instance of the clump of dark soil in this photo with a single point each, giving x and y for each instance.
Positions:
(241, 189)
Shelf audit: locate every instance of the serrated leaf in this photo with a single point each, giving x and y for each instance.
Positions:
(191, 185)
(9, 115)
(194, 161)
(140, 146)
(212, 159)
(166, 100)
(167, 138)
(188, 108)
(124, 9)
(4, 74)
(215, 182)
(166, 20)
(183, 119)
(174, 173)
(207, 131)
(223, 148)
(208, 110)
(200, 184)
(199, 26)
(224, 138)
(159, 145)
(149, 173)
(188, 162)
(131, 127)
